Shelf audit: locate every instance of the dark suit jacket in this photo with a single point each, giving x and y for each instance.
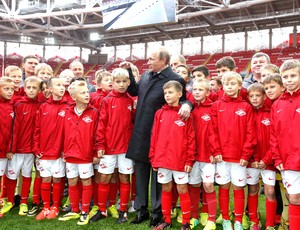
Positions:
(150, 98)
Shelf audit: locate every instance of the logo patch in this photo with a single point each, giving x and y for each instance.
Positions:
(266, 121)
(62, 113)
(129, 107)
(87, 119)
(179, 123)
(240, 112)
(206, 117)
(298, 110)
(160, 175)
(103, 166)
(12, 114)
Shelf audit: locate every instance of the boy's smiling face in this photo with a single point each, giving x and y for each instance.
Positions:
(273, 90)
(291, 80)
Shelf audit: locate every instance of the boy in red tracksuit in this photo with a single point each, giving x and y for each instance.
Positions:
(274, 88)
(104, 86)
(6, 122)
(172, 154)
(80, 126)
(285, 132)
(232, 146)
(261, 162)
(21, 156)
(204, 169)
(48, 147)
(115, 128)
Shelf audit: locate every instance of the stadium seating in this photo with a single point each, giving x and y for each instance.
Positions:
(242, 59)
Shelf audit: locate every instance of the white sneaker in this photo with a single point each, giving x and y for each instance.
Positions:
(131, 207)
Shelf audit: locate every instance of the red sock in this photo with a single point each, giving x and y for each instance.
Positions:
(79, 184)
(252, 207)
(87, 192)
(74, 197)
(62, 187)
(212, 205)
(133, 188)
(239, 199)
(224, 202)
(46, 193)
(195, 200)
(3, 186)
(166, 205)
(204, 202)
(113, 191)
(56, 194)
(95, 192)
(26, 181)
(124, 195)
(294, 216)
(175, 195)
(271, 206)
(103, 190)
(185, 203)
(10, 186)
(36, 194)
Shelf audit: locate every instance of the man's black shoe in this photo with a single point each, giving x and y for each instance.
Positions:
(17, 199)
(140, 217)
(155, 221)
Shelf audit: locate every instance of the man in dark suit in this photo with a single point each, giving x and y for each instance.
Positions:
(150, 98)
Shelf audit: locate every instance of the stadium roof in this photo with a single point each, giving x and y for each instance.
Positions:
(70, 22)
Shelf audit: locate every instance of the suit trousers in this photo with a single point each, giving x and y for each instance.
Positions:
(143, 172)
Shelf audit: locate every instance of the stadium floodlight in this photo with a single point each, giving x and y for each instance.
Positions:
(49, 40)
(94, 36)
(25, 39)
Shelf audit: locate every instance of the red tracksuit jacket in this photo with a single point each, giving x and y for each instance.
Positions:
(173, 140)
(285, 131)
(116, 123)
(18, 95)
(80, 144)
(262, 122)
(26, 110)
(49, 126)
(6, 121)
(233, 129)
(97, 98)
(203, 129)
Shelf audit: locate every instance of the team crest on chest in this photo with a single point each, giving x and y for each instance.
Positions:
(87, 119)
(206, 117)
(12, 114)
(129, 107)
(179, 123)
(240, 112)
(266, 121)
(62, 113)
